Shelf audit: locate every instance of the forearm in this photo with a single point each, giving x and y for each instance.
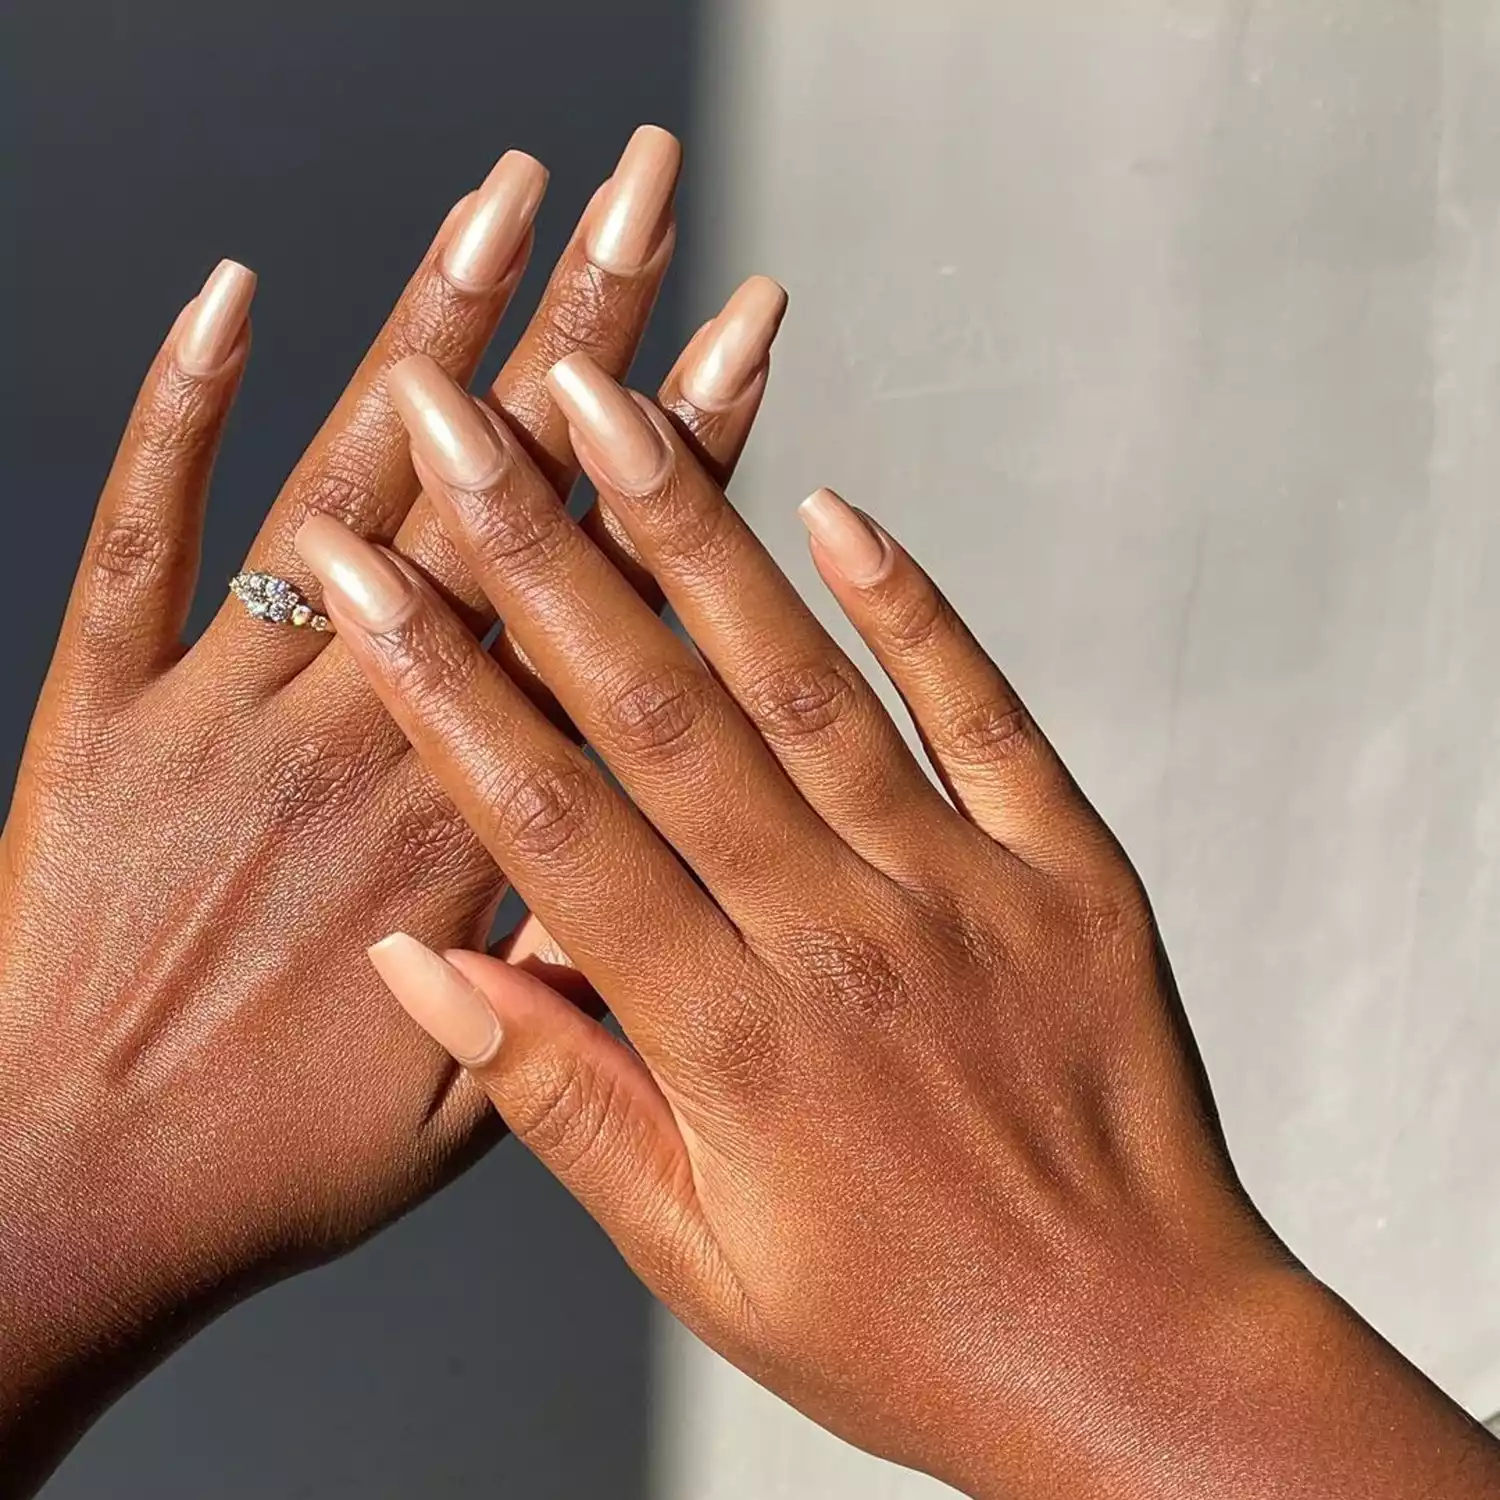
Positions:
(1288, 1394)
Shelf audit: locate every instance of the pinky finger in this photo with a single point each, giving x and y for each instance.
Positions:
(136, 580)
(580, 1099)
(997, 766)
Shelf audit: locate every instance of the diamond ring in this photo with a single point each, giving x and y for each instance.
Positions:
(274, 600)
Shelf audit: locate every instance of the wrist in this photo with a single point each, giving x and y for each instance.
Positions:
(92, 1296)
(1263, 1386)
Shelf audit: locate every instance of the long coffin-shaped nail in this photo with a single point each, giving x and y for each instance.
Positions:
(850, 543)
(629, 219)
(485, 245)
(214, 319)
(360, 583)
(732, 350)
(438, 998)
(619, 435)
(448, 431)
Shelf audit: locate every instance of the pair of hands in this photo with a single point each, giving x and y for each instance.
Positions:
(911, 1128)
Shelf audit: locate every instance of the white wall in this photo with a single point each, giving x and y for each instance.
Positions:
(1167, 332)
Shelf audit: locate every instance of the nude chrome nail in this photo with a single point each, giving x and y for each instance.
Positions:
(858, 551)
(620, 436)
(438, 998)
(732, 350)
(628, 220)
(359, 580)
(448, 431)
(214, 319)
(486, 244)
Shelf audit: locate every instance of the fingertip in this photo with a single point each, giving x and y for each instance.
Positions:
(627, 228)
(729, 357)
(439, 998)
(212, 323)
(575, 378)
(855, 548)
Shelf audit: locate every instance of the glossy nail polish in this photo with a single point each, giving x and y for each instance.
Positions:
(624, 442)
(360, 583)
(627, 222)
(438, 998)
(485, 245)
(732, 351)
(448, 431)
(846, 538)
(214, 320)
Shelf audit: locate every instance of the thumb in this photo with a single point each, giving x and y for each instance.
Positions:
(582, 1101)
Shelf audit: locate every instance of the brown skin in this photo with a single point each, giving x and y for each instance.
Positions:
(201, 845)
(912, 1130)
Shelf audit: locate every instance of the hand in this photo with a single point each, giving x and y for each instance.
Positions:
(913, 1130)
(202, 844)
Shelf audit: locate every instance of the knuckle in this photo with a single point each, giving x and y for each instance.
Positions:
(427, 832)
(802, 699)
(345, 490)
(851, 970)
(433, 317)
(74, 763)
(982, 731)
(697, 533)
(129, 547)
(580, 314)
(545, 811)
(176, 422)
(914, 619)
(737, 1041)
(519, 532)
(1109, 902)
(658, 712)
(563, 1113)
(428, 666)
(312, 779)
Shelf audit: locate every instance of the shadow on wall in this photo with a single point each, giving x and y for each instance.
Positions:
(491, 1343)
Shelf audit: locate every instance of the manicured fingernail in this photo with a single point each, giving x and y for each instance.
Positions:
(215, 318)
(485, 246)
(733, 349)
(359, 581)
(621, 438)
(448, 431)
(628, 221)
(438, 998)
(850, 543)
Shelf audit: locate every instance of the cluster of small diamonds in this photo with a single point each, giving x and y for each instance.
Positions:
(266, 598)
(273, 599)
